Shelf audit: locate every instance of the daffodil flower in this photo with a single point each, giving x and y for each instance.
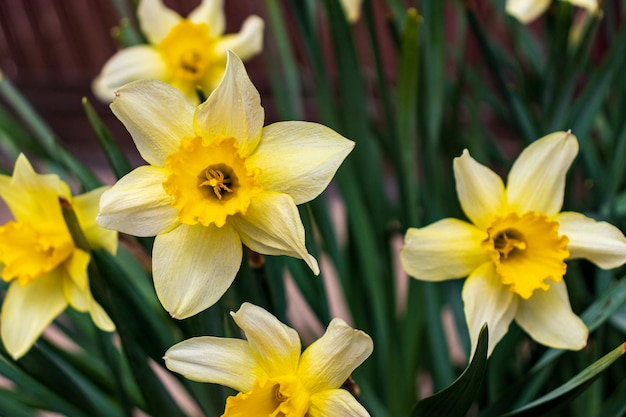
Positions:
(186, 53)
(38, 256)
(514, 251)
(528, 10)
(269, 370)
(216, 178)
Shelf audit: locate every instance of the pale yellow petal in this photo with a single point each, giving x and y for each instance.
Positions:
(28, 310)
(480, 190)
(210, 12)
(25, 177)
(336, 402)
(352, 9)
(33, 198)
(245, 44)
(272, 226)
(137, 204)
(547, 317)
(76, 268)
(590, 5)
(526, 10)
(233, 110)
(328, 362)
(139, 62)
(156, 115)
(537, 179)
(100, 317)
(86, 206)
(215, 360)
(299, 158)
(79, 296)
(156, 20)
(193, 266)
(446, 249)
(274, 345)
(599, 242)
(76, 296)
(486, 300)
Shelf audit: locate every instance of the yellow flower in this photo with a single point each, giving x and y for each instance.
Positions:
(216, 178)
(514, 251)
(528, 10)
(38, 255)
(268, 369)
(185, 53)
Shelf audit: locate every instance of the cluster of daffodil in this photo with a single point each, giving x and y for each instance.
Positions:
(217, 181)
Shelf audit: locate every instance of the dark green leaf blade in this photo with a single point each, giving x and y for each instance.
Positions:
(455, 400)
(552, 401)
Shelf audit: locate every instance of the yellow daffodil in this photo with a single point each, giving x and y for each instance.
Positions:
(528, 10)
(272, 375)
(186, 53)
(216, 178)
(514, 251)
(38, 256)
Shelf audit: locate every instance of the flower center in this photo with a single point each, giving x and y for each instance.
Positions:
(209, 182)
(276, 397)
(527, 250)
(187, 51)
(27, 251)
(218, 181)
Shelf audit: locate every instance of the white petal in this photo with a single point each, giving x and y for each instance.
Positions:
(86, 206)
(28, 310)
(446, 249)
(156, 115)
(328, 362)
(547, 317)
(245, 44)
(537, 179)
(156, 20)
(193, 266)
(215, 360)
(272, 226)
(137, 204)
(480, 190)
(274, 345)
(140, 62)
(337, 402)
(233, 110)
(210, 12)
(526, 10)
(599, 242)
(486, 300)
(299, 158)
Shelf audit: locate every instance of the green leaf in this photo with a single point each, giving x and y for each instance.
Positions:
(117, 159)
(11, 404)
(556, 399)
(456, 400)
(407, 110)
